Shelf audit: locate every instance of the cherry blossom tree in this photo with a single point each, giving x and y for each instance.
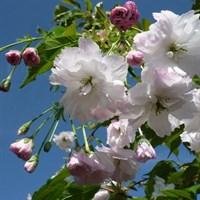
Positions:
(130, 80)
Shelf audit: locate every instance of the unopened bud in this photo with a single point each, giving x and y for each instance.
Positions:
(14, 57)
(118, 18)
(32, 163)
(47, 146)
(135, 58)
(31, 57)
(23, 148)
(24, 128)
(5, 85)
(125, 17)
(144, 151)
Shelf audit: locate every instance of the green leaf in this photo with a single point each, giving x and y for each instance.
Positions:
(194, 189)
(88, 5)
(173, 141)
(115, 196)
(60, 31)
(59, 12)
(151, 135)
(196, 80)
(48, 49)
(187, 175)
(74, 191)
(162, 198)
(72, 2)
(58, 188)
(162, 166)
(99, 11)
(145, 24)
(191, 173)
(178, 193)
(53, 188)
(196, 6)
(176, 178)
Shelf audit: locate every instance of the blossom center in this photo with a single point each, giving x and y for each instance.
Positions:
(86, 86)
(159, 106)
(175, 52)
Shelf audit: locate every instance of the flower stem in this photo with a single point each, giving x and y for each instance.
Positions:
(41, 125)
(114, 44)
(11, 73)
(137, 29)
(20, 42)
(74, 131)
(138, 79)
(140, 132)
(43, 113)
(85, 139)
(46, 137)
(54, 130)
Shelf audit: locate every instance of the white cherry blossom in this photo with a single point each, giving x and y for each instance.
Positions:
(120, 134)
(191, 132)
(192, 125)
(64, 140)
(174, 39)
(101, 195)
(193, 138)
(162, 99)
(124, 161)
(93, 80)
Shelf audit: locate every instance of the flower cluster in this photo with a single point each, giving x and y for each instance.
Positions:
(165, 98)
(94, 81)
(167, 77)
(30, 56)
(23, 149)
(14, 57)
(98, 94)
(125, 17)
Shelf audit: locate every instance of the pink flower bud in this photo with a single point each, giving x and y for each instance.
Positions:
(133, 14)
(118, 18)
(124, 17)
(14, 57)
(144, 151)
(23, 148)
(31, 57)
(135, 58)
(90, 169)
(31, 164)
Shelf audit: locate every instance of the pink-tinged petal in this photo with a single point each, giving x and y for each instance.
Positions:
(118, 65)
(31, 164)
(193, 138)
(135, 58)
(160, 123)
(91, 82)
(90, 169)
(23, 148)
(90, 48)
(144, 151)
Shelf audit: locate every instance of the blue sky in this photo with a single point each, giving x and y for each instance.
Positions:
(17, 19)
